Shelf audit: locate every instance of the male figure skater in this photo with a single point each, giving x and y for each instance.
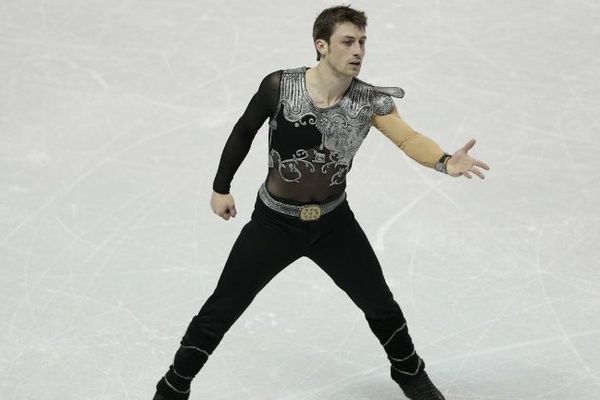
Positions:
(318, 118)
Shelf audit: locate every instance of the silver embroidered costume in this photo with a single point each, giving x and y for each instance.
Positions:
(342, 126)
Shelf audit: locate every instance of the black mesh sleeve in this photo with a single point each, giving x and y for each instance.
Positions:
(261, 106)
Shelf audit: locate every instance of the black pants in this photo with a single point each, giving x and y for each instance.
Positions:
(268, 243)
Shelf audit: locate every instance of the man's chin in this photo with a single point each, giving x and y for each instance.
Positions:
(354, 71)
(351, 72)
(348, 72)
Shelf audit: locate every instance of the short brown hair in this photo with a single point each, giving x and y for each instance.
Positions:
(328, 19)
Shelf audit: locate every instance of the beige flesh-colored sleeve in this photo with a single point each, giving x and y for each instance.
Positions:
(417, 146)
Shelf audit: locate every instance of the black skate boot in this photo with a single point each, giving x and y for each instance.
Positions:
(420, 388)
(159, 396)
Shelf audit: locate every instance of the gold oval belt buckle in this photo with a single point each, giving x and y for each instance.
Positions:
(310, 212)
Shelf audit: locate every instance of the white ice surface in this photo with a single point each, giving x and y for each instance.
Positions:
(113, 116)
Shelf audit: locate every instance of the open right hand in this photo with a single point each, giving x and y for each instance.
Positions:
(223, 205)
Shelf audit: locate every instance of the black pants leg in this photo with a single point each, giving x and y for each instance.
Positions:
(265, 246)
(343, 251)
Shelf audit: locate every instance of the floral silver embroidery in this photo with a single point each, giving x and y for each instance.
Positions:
(335, 162)
(291, 164)
(343, 126)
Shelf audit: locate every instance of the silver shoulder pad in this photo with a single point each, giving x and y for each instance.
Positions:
(382, 99)
(392, 91)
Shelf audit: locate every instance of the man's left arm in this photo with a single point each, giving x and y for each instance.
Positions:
(424, 150)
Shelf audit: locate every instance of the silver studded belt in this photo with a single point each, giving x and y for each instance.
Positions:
(308, 212)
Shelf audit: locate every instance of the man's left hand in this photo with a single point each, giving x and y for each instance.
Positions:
(463, 164)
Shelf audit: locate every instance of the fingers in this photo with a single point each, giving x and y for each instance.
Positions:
(227, 213)
(469, 145)
(478, 163)
(477, 172)
(481, 164)
(474, 170)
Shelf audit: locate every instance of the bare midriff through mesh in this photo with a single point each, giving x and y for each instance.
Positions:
(313, 187)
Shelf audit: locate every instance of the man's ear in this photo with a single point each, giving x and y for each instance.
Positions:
(321, 46)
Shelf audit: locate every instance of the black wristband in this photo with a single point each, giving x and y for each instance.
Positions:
(440, 165)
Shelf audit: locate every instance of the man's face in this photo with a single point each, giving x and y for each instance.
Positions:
(346, 49)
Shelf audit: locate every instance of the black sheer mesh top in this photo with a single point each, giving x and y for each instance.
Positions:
(310, 148)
